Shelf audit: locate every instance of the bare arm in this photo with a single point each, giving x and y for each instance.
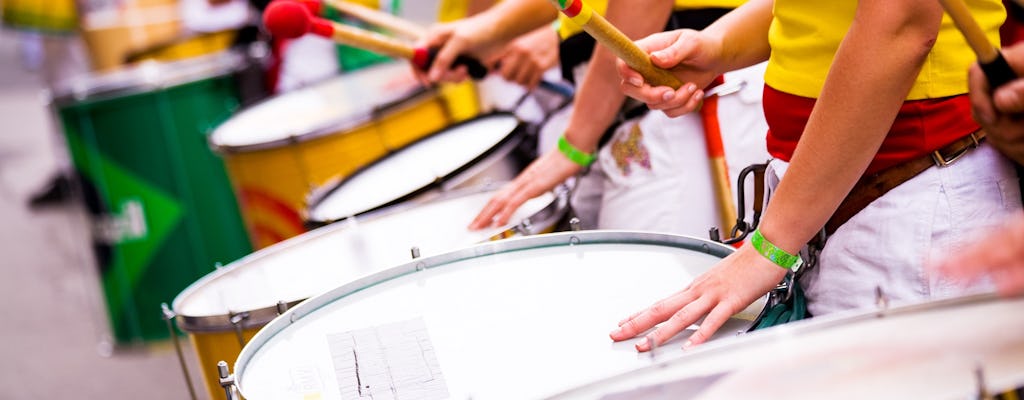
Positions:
(595, 106)
(857, 106)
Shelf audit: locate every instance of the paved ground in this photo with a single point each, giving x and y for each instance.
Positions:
(52, 326)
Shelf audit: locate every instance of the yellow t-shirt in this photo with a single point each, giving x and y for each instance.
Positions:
(805, 36)
(567, 28)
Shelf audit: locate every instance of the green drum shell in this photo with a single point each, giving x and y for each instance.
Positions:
(162, 207)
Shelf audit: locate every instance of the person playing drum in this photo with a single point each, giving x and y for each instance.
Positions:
(855, 90)
(634, 149)
(1000, 255)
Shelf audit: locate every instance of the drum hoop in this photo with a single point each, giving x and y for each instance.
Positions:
(410, 98)
(544, 218)
(144, 77)
(505, 146)
(767, 336)
(480, 250)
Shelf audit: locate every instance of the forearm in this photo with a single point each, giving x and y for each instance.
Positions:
(511, 18)
(852, 116)
(599, 98)
(742, 35)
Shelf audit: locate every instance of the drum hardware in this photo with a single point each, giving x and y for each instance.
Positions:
(415, 252)
(227, 381)
(574, 224)
(281, 307)
(743, 228)
(168, 317)
(979, 379)
(881, 301)
(236, 321)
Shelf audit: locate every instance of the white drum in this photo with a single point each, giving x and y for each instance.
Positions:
(926, 351)
(514, 319)
(225, 308)
(477, 152)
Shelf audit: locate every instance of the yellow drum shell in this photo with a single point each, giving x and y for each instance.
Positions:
(272, 178)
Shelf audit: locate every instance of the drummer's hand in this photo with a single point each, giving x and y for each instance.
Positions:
(525, 59)
(1000, 256)
(729, 287)
(688, 55)
(541, 176)
(1001, 113)
(451, 40)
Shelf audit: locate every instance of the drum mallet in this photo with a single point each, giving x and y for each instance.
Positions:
(996, 69)
(619, 44)
(371, 16)
(289, 19)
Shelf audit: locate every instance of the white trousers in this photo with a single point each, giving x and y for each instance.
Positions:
(891, 243)
(657, 168)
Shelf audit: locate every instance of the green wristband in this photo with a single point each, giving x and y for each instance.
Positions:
(774, 254)
(575, 155)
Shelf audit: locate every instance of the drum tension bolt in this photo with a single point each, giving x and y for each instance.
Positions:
(227, 381)
(415, 251)
(574, 224)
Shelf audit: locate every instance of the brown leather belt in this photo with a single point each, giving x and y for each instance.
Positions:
(874, 186)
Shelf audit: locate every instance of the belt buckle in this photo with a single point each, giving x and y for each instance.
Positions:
(943, 161)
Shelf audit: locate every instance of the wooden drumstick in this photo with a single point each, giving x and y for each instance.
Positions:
(619, 44)
(996, 69)
(378, 18)
(290, 19)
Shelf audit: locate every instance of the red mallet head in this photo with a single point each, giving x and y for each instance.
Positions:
(291, 19)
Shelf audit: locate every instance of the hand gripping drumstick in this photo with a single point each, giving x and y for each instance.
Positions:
(615, 41)
(992, 63)
(290, 19)
(371, 16)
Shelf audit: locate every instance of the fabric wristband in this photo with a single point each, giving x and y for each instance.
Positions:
(774, 254)
(575, 155)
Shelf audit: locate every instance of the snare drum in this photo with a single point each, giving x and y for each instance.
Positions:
(278, 150)
(517, 319)
(477, 152)
(224, 309)
(925, 351)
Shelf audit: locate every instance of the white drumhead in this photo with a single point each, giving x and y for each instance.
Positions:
(314, 262)
(340, 102)
(519, 323)
(414, 167)
(927, 351)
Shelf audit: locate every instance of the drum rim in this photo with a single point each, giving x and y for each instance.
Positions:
(414, 95)
(504, 147)
(485, 249)
(144, 77)
(767, 336)
(544, 218)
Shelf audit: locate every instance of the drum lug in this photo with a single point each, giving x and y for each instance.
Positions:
(281, 307)
(236, 320)
(574, 224)
(979, 379)
(881, 301)
(227, 381)
(168, 317)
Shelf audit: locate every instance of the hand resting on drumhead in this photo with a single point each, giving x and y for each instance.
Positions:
(715, 294)
(542, 175)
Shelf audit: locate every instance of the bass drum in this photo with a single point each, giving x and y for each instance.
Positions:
(911, 352)
(280, 149)
(227, 307)
(520, 318)
(483, 151)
